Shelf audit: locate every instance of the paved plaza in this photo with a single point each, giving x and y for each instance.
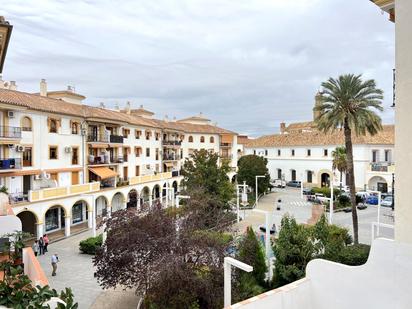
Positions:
(76, 270)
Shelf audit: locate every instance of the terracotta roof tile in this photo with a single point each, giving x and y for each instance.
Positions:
(317, 138)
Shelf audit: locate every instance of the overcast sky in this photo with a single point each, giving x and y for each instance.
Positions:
(246, 64)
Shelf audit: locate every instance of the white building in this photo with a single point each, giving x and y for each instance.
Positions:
(63, 162)
(301, 152)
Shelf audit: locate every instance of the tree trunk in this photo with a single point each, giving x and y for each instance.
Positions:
(351, 179)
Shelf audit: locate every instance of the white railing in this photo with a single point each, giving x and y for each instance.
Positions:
(376, 227)
(51, 193)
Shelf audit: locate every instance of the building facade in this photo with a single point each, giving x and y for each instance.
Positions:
(301, 152)
(64, 163)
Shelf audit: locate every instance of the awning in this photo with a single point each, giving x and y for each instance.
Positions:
(99, 146)
(21, 173)
(169, 164)
(103, 172)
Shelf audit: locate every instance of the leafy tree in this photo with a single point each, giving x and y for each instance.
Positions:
(251, 166)
(293, 251)
(174, 259)
(339, 162)
(202, 171)
(250, 251)
(348, 103)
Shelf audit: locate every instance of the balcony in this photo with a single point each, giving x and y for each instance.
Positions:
(226, 156)
(175, 173)
(172, 143)
(148, 178)
(10, 132)
(60, 192)
(10, 164)
(18, 197)
(100, 138)
(383, 167)
(116, 139)
(226, 145)
(171, 157)
(105, 159)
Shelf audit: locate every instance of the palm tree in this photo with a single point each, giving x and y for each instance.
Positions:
(347, 103)
(339, 162)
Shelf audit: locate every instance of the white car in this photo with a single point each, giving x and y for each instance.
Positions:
(278, 183)
(387, 201)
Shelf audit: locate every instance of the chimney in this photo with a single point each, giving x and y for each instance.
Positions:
(43, 88)
(13, 85)
(282, 128)
(70, 88)
(116, 106)
(166, 118)
(174, 119)
(101, 105)
(127, 108)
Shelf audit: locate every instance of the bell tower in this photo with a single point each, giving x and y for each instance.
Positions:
(318, 102)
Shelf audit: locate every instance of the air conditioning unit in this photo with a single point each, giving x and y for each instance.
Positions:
(19, 148)
(68, 149)
(37, 177)
(10, 114)
(10, 146)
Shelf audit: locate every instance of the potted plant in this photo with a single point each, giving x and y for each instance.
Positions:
(15, 246)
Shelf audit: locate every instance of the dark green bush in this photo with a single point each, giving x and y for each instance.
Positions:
(91, 244)
(325, 191)
(354, 255)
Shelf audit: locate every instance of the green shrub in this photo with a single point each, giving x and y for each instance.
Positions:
(354, 255)
(91, 244)
(325, 191)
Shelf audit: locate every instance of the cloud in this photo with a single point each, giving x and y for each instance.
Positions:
(247, 65)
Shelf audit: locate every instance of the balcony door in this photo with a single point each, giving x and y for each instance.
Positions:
(26, 184)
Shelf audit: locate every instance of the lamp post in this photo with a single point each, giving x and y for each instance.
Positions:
(393, 191)
(331, 201)
(267, 229)
(256, 187)
(244, 192)
(5, 34)
(227, 268)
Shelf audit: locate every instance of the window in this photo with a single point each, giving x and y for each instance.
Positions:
(254, 152)
(137, 170)
(325, 152)
(125, 154)
(309, 176)
(190, 139)
(138, 151)
(279, 173)
(388, 156)
(75, 155)
(266, 152)
(293, 152)
(293, 175)
(126, 132)
(157, 136)
(26, 124)
(157, 153)
(375, 156)
(27, 156)
(147, 152)
(53, 155)
(75, 128)
(279, 152)
(138, 133)
(148, 134)
(53, 126)
(212, 139)
(309, 152)
(202, 139)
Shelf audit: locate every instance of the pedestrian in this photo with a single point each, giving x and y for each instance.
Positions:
(54, 261)
(46, 242)
(35, 247)
(41, 246)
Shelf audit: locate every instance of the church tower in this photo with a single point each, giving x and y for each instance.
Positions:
(318, 101)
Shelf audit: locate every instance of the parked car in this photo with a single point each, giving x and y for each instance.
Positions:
(272, 229)
(278, 183)
(293, 183)
(347, 209)
(361, 206)
(372, 200)
(387, 201)
(307, 191)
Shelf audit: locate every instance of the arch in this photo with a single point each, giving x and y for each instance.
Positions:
(212, 140)
(190, 139)
(26, 123)
(101, 204)
(156, 191)
(325, 179)
(28, 220)
(54, 218)
(79, 211)
(145, 194)
(319, 177)
(234, 177)
(132, 197)
(378, 183)
(175, 186)
(118, 201)
(202, 139)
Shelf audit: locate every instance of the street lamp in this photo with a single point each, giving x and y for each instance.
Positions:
(244, 193)
(5, 33)
(256, 187)
(267, 229)
(227, 268)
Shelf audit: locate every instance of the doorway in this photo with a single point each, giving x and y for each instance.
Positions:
(26, 184)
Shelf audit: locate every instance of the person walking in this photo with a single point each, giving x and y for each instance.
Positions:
(46, 242)
(41, 246)
(54, 261)
(35, 247)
